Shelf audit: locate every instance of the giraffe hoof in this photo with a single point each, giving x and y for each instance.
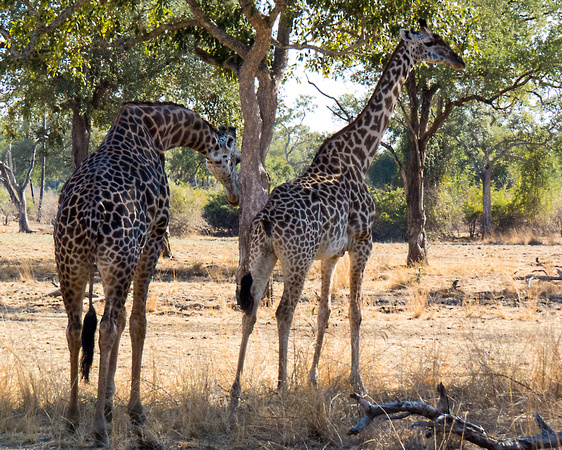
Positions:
(108, 413)
(138, 418)
(101, 439)
(313, 378)
(235, 391)
(72, 422)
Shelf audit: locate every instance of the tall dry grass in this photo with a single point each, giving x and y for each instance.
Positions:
(496, 346)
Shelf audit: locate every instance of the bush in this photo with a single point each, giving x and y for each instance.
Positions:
(221, 216)
(7, 208)
(391, 220)
(49, 207)
(186, 210)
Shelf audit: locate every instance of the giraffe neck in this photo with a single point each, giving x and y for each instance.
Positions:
(170, 126)
(355, 145)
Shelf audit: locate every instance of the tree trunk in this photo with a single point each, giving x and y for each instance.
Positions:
(487, 201)
(41, 188)
(17, 192)
(43, 161)
(81, 129)
(254, 179)
(21, 205)
(417, 241)
(415, 162)
(259, 107)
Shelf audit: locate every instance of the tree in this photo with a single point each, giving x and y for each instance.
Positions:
(248, 39)
(252, 39)
(489, 139)
(510, 51)
(293, 145)
(17, 190)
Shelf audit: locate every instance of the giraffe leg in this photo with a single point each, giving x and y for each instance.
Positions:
(72, 298)
(358, 257)
(115, 297)
(328, 266)
(260, 277)
(293, 285)
(110, 386)
(137, 322)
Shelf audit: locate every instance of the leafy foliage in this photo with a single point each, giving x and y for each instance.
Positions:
(186, 210)
(222, 217)
(391, 216)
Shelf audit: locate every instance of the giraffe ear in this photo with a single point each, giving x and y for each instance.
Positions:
(406, 35)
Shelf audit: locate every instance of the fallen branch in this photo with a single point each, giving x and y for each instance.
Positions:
(443, 421)
(540, 277)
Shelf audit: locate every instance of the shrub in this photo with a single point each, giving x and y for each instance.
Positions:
(391, 220)
(186, 210)
(221, 216)
(445, 216)
(49, 207)
(7, 208)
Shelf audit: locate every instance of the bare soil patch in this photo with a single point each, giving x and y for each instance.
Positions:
(464, 320)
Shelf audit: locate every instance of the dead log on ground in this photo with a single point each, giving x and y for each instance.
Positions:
(443, 421)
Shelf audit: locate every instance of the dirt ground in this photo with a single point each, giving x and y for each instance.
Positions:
(465, 314)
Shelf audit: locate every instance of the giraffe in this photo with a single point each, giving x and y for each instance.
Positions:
(113, 212)
(327, 211)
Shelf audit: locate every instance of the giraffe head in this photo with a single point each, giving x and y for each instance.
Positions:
(222, 164)
(430, 47)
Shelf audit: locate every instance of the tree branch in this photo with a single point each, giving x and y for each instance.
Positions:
(397, 161)
(445, 422)
(214, 30)
(40, 28)
(360, 42)
(347, 117)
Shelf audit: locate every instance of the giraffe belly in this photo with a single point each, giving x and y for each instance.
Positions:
(332, 246)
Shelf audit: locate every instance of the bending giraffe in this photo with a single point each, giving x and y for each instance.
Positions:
(327, 211)
(113, 212)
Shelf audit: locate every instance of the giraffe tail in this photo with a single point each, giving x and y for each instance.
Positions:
(89, 334)
(244, 294)
(245, 298)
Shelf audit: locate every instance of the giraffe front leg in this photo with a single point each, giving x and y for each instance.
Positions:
(137, 324)
(328, 266)
(358, 258)
(110, 385)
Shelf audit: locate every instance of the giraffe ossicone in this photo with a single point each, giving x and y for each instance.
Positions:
(113, 212)
(328, 211)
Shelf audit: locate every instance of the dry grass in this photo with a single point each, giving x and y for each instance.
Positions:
(463, 320)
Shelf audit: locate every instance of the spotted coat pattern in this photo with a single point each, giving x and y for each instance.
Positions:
(113, 212)
(328, 211)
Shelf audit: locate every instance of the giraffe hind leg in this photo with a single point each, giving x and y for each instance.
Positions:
(328, 266)
(72, 289)
(358, 258)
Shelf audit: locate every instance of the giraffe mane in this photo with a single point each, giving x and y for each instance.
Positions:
(350, 124)
(147, 103)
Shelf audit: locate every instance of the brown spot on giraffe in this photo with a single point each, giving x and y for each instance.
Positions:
(339, 218)
(113, 212)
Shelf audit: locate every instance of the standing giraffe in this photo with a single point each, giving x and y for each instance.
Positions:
(327, 211)
(113, 212)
